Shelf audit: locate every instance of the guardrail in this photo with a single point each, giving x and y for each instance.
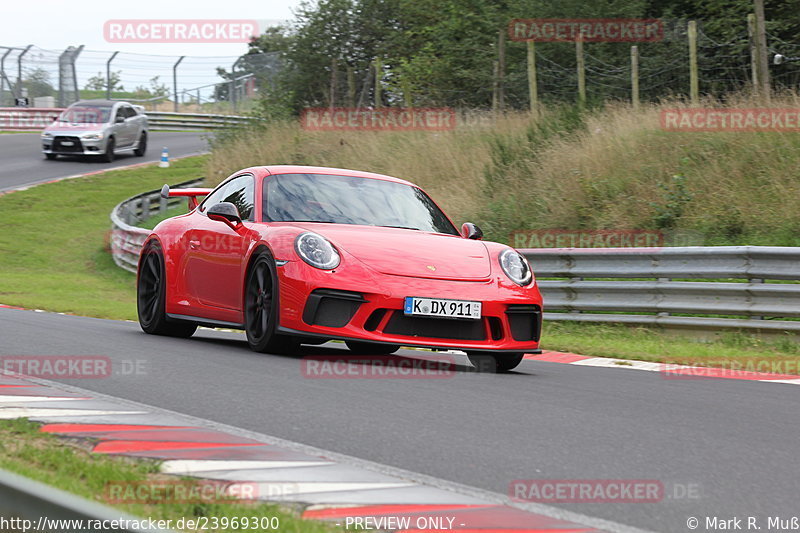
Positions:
(38, 118)
(126, 237)
(44, 508)
(643, 286)
(647, 286)
(194, 121)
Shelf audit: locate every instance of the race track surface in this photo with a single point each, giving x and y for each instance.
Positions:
(24, 164)
(732, 444)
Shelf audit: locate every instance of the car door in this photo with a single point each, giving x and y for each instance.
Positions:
(118, 128)
(216, 252)
(130, 128)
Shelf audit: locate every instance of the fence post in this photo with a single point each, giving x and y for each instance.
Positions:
(635, 76)
(108, 75)
(407, 100)
(19, 68)
(581, 61)
(751, 35)
(175, 81)
(351, 87)
(495, 87)
(762, 60)
(533, 88)
(694, 79)
(3, 76)
(501, 69)
(334, 80)
(378, 71)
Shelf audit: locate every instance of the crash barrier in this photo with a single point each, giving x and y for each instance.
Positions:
(27, 505)
(127, 237)
(38, 118)
(755, 287)
(710, 288)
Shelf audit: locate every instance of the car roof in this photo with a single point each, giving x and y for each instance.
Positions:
(300, 169)
(99, 102)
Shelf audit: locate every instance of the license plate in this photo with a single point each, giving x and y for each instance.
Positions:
(67, 143)
(442, 308)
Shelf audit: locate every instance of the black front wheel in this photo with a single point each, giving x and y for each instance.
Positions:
(108, 155)
(261, 308)
(151, 297)
(496, 362)
(142, 146)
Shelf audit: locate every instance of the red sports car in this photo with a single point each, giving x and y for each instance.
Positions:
(295, 255)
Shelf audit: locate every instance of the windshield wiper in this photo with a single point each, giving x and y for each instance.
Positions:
(399, 227)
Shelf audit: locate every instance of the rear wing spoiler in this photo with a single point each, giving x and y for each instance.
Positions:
(191, 193)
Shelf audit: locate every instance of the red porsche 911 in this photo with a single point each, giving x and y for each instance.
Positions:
(295, 255)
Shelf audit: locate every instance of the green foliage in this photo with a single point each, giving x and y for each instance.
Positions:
(675, 196)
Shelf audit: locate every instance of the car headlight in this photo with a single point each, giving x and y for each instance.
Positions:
(315, 250)
(47, 134)
(516, 267)
(92, 136)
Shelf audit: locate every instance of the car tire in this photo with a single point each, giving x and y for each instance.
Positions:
(50, 157)
(141, 148)
(371, 348)
(151, 292)
(261, 308)
(494, 363)
(108, 155)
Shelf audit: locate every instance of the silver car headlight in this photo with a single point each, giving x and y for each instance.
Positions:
(47, 134)
(516, 267)
(92, 136)
(315, 250)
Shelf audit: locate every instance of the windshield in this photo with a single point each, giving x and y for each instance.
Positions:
(349, 200)
(85, 114)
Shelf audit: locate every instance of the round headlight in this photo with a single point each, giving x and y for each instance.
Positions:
(315, 250)
(516, 267)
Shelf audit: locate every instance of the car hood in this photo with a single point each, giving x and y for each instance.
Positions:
(402, 252)
(73, 129)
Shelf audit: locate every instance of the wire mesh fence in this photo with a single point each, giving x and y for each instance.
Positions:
(187, 83)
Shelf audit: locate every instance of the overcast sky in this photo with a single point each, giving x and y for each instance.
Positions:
(56, 24)
(53, 25)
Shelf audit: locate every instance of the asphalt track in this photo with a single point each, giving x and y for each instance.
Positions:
(24, 164)
(731, 444)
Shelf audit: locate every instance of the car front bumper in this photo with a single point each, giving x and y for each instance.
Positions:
(315, 303)
(72, 145)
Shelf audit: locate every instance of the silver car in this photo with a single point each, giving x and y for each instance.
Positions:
(101, 128)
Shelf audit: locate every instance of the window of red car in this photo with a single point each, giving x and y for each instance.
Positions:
(351, 200)
(240, 191)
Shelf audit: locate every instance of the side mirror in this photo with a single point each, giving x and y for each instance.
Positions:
(54, 118)
(120, 119)
(225, 212)
(471, 231)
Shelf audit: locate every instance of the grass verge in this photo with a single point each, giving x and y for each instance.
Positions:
(67, 466)
(54, 249)
(779, 355)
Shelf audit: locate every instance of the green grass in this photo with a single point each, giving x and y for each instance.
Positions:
(152, 222)
(651, 344)
(54, 249)
(68, 466)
